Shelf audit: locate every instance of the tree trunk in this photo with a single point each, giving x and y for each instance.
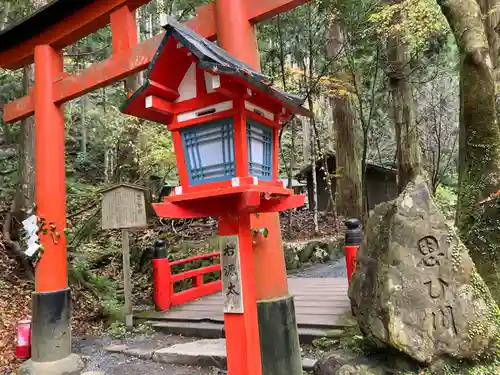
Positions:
(127, 154)
(479, 150)
(306, 141)
(349, 199)
(491, 20)
(25, 196)
(409, 156)
(314, 178)
(290, 175)
(83, 119)
(25, 193)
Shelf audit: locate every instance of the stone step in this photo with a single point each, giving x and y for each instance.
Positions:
(207, 330)
(203, 353)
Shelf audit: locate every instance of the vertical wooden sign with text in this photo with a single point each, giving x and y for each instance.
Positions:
(231, 275)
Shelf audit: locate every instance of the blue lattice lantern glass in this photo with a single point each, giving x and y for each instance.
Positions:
(209, 151)
(224, 117)
(260, 150)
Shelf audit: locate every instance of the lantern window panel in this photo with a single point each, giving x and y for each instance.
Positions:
(209, 151)
(260, 150)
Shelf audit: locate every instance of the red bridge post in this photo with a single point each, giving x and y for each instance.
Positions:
(162, 285)
(351, 246)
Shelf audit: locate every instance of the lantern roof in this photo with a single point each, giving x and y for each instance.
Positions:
(169, 66)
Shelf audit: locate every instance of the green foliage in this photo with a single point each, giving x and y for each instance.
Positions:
(419, 21)
(157, 156)
(113, 310)
(446, 199)
(461, 369)
(119, 330)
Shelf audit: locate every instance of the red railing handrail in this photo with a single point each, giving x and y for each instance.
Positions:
(166, 297)
(194, 258)
(193, 273)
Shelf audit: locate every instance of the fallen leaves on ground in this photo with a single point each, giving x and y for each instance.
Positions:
(15, 305)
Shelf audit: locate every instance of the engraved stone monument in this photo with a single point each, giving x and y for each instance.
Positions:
(416, 289)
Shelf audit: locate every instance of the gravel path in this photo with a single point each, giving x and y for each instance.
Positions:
(333, 268)
(97, 359)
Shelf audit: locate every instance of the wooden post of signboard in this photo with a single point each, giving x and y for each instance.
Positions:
(123, 207)
(127, 283)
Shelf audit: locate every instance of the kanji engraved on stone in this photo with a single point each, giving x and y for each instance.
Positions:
(437, 287)
(443, 319)
(429, 247)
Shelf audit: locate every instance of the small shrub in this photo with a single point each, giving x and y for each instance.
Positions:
(113, 310)
(117, 330)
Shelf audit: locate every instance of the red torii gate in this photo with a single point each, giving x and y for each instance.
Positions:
(40, 39)
(129, 56)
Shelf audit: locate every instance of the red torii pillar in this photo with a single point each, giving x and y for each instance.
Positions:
(233, 21)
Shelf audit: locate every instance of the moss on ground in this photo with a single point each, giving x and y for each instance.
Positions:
(350, 340)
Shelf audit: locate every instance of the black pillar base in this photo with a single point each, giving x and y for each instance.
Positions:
(279, 337)
(51, 326)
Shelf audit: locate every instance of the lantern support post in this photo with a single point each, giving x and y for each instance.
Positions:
(269, 285)
(242, 334)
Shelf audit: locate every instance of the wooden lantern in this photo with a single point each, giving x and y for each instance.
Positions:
(225, 120)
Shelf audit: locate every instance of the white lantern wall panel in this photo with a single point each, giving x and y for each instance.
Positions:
(260, 150)
(209, 151)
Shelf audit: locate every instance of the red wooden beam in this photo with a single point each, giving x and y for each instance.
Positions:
(164, 281)
(193, 273)
(186, 296)
(123, 29)
(261, 10)
(195, 258)
(98, 75)
(70, 30)
(126, 63)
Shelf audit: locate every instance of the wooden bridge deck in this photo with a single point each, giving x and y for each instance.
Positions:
(319, 303)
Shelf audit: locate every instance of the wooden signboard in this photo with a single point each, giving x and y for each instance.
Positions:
(123, 207)
(231, 275)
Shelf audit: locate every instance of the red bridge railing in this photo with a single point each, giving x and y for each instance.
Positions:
(164, 281)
